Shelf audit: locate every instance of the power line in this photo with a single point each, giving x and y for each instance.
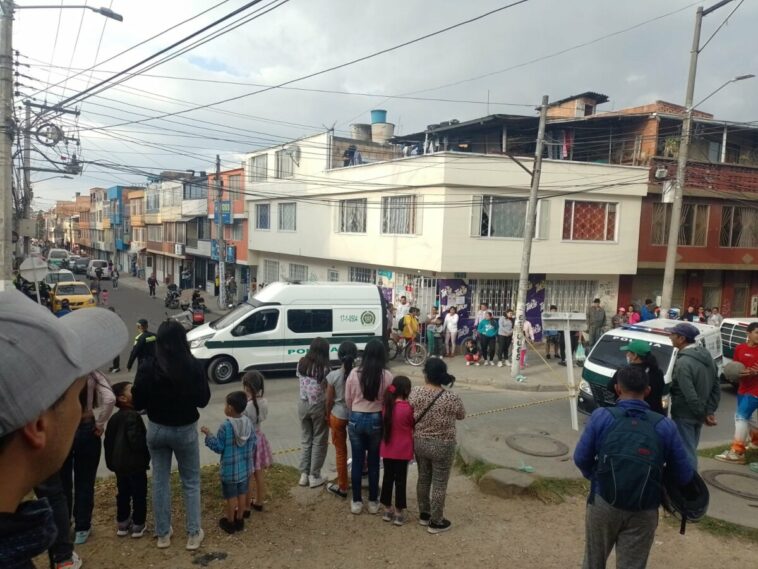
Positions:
(329, 69)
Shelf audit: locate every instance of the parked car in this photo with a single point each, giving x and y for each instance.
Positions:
(60, 276)
(94, 264)
(55, 257)
(77, 293)
(273, 330)
(733, 333)
(80, 266)
(606, 358)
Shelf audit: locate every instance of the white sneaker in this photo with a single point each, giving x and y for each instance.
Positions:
(477, 364)
(500, 363)
(731, 456)
(373, 508)
(356, 507)
(303, 479)
(316, 481)
(468, 363)
(194, 541)
(164, 541)
(74, 563)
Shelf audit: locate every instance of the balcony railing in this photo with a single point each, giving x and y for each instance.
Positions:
(709, 176)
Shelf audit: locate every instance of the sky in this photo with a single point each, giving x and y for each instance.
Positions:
(509, 58)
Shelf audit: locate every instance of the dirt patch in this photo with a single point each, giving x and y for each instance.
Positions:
(311, 528)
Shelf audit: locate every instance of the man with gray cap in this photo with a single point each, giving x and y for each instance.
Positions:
(40, 409)
(695, 390)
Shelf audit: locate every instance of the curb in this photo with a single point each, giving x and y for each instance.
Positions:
(508, 385)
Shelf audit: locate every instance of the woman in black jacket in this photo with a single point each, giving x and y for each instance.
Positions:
(170, 387)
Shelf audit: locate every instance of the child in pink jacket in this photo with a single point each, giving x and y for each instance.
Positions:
(396, 448)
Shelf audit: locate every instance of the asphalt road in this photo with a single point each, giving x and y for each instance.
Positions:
(282, 428)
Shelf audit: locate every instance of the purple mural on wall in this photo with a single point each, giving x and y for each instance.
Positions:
(387, 293)
(456, 292)
(535, 303)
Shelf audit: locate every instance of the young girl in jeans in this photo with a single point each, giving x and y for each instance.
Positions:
(257, 411)
(312, 370)
(337, 414)
(396, 449)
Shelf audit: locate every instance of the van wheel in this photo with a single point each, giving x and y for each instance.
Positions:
(223, 370)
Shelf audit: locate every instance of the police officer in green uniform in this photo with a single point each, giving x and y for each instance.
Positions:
(144, 345)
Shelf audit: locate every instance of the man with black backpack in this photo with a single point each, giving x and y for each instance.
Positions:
(622, 452)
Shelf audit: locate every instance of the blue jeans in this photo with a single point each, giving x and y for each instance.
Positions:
(78, 475)
(689, 430)
(365, 432)
(182, 442)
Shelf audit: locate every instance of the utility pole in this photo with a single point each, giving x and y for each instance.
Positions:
(28, 196)
(526, 255)
(220, 242)
(669, 269)
(7, 131)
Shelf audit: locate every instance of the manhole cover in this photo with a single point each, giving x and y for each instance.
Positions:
(735, 483)
(536, 445)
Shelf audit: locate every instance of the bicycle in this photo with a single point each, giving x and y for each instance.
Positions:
(414, 353)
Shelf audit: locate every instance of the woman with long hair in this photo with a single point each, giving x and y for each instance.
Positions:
(312, 370)
(337, 413)
(364, 393)
(170, 387)
(435, 411)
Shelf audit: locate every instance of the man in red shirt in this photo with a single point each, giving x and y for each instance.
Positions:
(747, 398)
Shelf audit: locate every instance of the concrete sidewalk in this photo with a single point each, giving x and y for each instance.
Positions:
(540, 374)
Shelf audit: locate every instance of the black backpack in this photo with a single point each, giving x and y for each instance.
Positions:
(630, 461)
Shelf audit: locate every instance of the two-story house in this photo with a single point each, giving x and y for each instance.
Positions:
(442, 225)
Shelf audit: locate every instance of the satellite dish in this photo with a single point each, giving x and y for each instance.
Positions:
(294, 151)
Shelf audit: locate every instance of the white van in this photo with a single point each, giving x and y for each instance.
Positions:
(733, 333)
(274, 329)
(606, 357)
(94, 264)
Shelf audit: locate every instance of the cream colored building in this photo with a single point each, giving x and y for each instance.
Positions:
(407, 222)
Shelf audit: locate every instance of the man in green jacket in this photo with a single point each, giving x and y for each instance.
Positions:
(695, 390)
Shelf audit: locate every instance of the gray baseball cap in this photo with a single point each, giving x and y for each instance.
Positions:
(41, 355)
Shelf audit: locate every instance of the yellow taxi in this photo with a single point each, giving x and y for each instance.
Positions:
(78, 295)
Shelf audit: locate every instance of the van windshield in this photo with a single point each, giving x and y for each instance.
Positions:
(607, 352)
(242, 310)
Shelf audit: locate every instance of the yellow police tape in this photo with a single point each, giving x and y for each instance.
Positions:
(471, 416)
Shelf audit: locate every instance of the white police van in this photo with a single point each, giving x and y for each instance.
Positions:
(274, 329)
(606, 358)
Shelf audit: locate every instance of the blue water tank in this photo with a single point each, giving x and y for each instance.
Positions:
(378, 115)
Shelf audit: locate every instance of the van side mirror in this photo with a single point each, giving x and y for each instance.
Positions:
(240, 330)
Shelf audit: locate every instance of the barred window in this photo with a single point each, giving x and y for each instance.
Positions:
(589, 221)
(353, 216)
(263, 216)
(362, 275)
(287, 216)
(270, 271)
(739, 227)
(693, 229)
(333, 276)
(399, 215)
(298, 272)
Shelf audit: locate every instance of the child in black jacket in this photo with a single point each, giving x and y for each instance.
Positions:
(126, 454)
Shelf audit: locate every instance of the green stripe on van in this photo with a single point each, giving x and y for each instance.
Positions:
(594, 377)
(217, 344)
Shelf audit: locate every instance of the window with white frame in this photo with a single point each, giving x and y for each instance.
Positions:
(237, 230)
(263, 216)
(235, 187)
(181, 233)
(270, 271)
(362, 275)
(498, 216)
(287, 216)
(739, 227)
(258, 168)
(589, 221)
(693, 229)
(285, 165)
(155, 233)
(399, 215)
(298, 272)
(352, 216)
(332, 276)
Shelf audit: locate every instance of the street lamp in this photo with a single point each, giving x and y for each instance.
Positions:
(53, 178)
(734, 80)
(107, 12)
(669, 268)
(8, 130)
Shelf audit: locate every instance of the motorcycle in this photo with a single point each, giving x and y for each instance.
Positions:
(189, 318)
(198, 302)
(172, 297)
